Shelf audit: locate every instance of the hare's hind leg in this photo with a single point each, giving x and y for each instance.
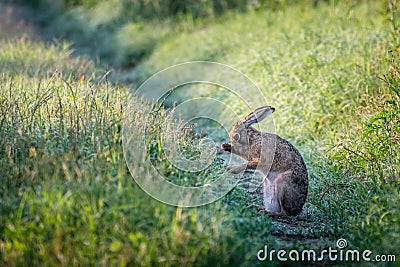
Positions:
(271, 197)
(289, 195)
(261, 209)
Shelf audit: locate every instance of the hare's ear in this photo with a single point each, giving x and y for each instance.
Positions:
(258, 115)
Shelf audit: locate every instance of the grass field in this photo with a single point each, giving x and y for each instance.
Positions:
(67, 197)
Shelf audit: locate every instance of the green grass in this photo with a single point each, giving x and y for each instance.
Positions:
(67, 197)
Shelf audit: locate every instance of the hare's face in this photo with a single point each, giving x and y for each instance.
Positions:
(240, 140)
(246, 141)
(239, 135)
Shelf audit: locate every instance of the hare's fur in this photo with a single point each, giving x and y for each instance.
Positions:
(286, 178)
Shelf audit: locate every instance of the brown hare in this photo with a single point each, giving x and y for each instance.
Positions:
(286, 178)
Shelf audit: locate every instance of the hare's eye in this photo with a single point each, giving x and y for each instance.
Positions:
(236, 136)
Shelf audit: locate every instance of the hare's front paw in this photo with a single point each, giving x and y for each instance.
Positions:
(226, 147)
(236, 169)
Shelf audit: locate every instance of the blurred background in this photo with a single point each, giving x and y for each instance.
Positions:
(123, 32)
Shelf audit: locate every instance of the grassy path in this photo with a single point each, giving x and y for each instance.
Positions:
(67, 197)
